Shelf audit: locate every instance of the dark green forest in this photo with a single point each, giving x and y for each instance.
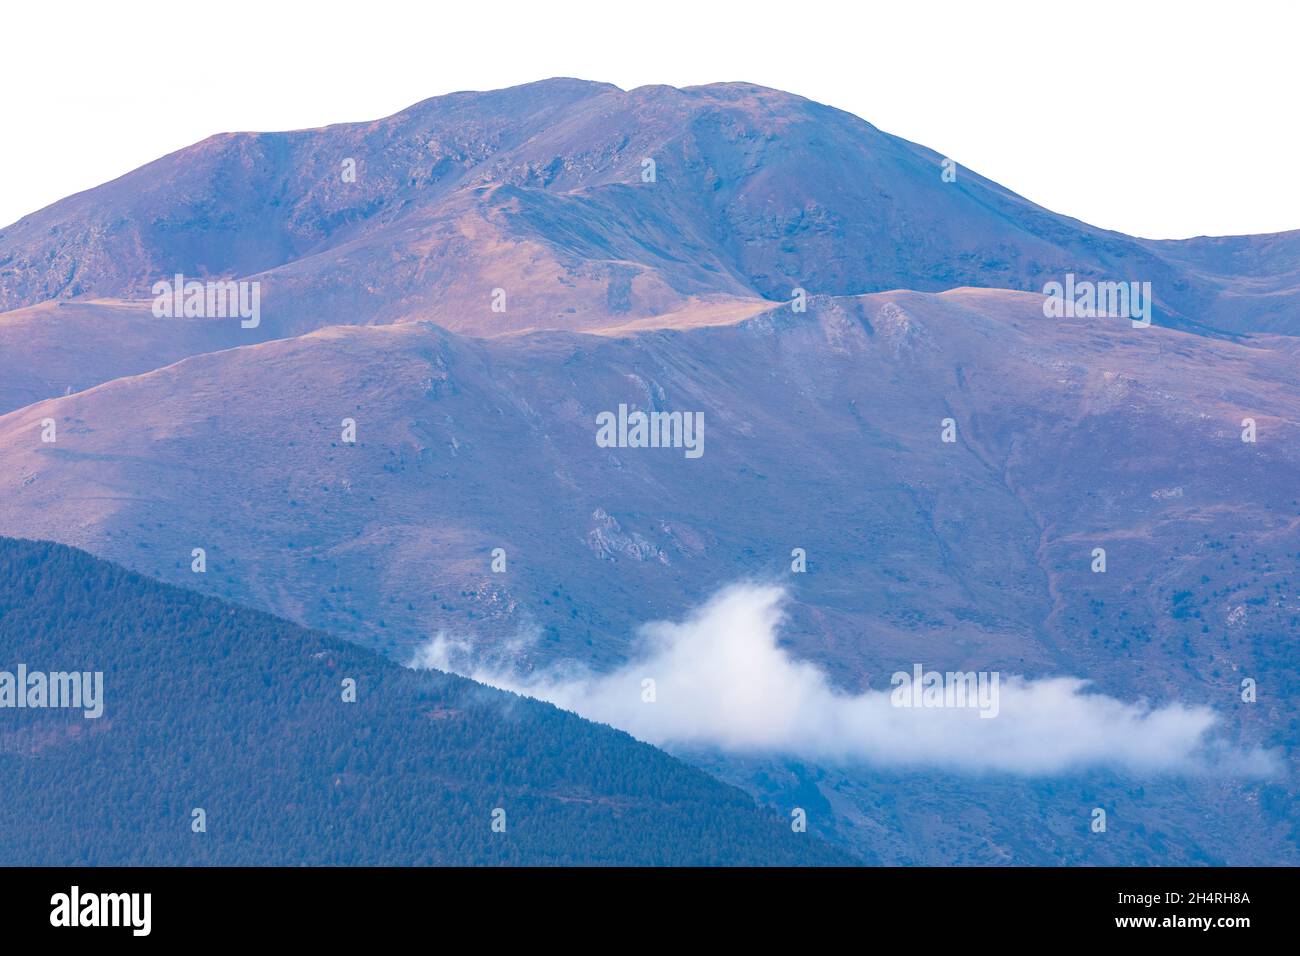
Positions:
(212, 706)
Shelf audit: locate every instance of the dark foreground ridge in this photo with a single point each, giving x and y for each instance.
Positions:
(208, 706)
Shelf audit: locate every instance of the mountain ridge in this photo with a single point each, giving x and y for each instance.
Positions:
(572, 228)
(210, 706)
(824, 414)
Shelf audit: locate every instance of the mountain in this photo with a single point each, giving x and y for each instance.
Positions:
(64, 346)
(476, 430)
(538, 191)
(211, 706)
(822, 432)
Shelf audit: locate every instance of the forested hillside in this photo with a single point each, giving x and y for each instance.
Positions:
(212, 707)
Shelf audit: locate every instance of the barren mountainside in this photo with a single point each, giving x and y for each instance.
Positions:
(505, 267)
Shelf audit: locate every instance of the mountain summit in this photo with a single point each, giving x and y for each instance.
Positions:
(585, 203)
(388, 430)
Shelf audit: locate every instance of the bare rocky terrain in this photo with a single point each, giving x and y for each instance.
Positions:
(475, 429)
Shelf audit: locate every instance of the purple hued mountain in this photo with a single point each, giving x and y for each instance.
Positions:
(387, 430)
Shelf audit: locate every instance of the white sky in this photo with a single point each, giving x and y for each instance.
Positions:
(1161, 119)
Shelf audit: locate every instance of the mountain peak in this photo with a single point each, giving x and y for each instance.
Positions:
(623, 205)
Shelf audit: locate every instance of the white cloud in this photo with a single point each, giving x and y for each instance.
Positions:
(722, 680)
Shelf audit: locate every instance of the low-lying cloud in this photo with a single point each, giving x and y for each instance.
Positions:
(722, 680)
